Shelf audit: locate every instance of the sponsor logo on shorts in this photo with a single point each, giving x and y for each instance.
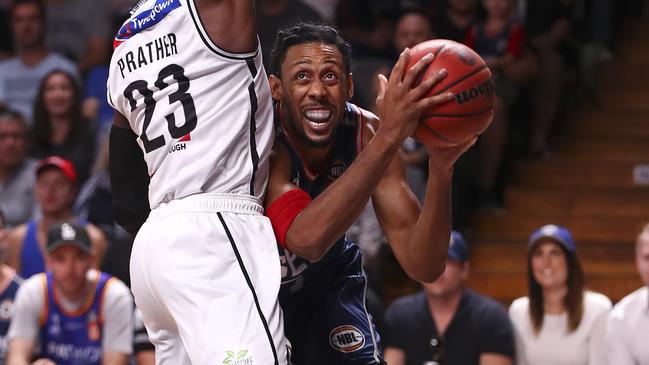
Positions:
(346, 338)
(241, 357)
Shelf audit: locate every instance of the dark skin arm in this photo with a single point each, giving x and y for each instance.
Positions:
(418, 236)
(341, 203)
(220, 17)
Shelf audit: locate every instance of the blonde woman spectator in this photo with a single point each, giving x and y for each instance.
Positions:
(559, 322)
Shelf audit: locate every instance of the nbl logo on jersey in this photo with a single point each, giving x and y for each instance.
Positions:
(346, 338)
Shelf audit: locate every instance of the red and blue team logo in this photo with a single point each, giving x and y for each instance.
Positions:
(145, 19)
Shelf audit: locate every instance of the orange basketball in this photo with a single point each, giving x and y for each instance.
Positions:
(469, 78)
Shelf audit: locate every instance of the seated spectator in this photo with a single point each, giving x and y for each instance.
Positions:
(446, 323)
(21, 75)
(547, 25)
(72, 314)
(368, 25)
(9, 283)
(79, 29)
(454, 23)
(628, 323)
(16, 170)
(500, 41)
(56, 189)
(59, 127)
(142, 348)
(558, 314)
(273, 15)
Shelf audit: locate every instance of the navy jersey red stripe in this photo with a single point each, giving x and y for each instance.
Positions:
(346, 147)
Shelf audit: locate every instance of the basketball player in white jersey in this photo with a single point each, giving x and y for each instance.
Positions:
(194, 127)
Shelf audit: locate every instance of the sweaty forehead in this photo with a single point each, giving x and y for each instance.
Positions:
(312, 54)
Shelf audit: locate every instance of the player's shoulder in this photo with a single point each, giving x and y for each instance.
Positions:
(364, 116)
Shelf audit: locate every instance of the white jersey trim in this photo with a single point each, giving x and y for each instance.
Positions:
(198, 23)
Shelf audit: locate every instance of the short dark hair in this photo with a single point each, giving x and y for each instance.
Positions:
(308, 33)
(39, 3)
(13, 116)
(3, 221)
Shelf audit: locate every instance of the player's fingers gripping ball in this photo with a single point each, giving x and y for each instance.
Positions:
(469, 78)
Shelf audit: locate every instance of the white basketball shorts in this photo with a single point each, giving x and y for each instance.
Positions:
(205, 273)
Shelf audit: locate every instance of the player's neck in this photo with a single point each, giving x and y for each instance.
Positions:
(315, 157)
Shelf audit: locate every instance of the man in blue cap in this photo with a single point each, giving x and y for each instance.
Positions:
(448, 323)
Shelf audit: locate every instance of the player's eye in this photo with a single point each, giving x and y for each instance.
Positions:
(301, 76)
(330, 77)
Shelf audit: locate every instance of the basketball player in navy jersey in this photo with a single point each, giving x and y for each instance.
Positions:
(194, 131)
(9, 283)
(329, 158)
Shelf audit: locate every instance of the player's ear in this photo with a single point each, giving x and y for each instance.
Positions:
(276, 87)
(350, 86)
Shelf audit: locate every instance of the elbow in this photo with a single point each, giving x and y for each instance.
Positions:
(427, 273)
(311, 249)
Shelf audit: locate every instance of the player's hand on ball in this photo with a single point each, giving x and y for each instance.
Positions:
(443, 158)
(401, 99)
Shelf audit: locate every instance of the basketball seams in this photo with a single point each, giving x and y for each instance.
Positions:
(465, 77)
(433, 132)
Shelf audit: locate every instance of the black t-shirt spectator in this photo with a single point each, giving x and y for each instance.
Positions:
(480, 325)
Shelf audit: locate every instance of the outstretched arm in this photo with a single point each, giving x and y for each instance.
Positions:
(317, 226)
(419, 236)
(230, 24)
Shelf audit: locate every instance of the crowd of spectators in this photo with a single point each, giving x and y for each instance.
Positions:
(53, 168)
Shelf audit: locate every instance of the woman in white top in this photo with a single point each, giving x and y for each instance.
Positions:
(558, 323)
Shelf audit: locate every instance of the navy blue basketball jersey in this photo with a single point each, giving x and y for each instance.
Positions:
(73, 338)
(7, 312)
(326, 318)
(347, 144)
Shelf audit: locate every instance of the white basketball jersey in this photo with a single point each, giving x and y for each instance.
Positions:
(203, 115)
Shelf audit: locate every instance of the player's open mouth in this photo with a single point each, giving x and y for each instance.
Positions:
(318, 119)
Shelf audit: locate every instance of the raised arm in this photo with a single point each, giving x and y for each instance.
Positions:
(230, 24)
(419, 236)
(341, 203)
